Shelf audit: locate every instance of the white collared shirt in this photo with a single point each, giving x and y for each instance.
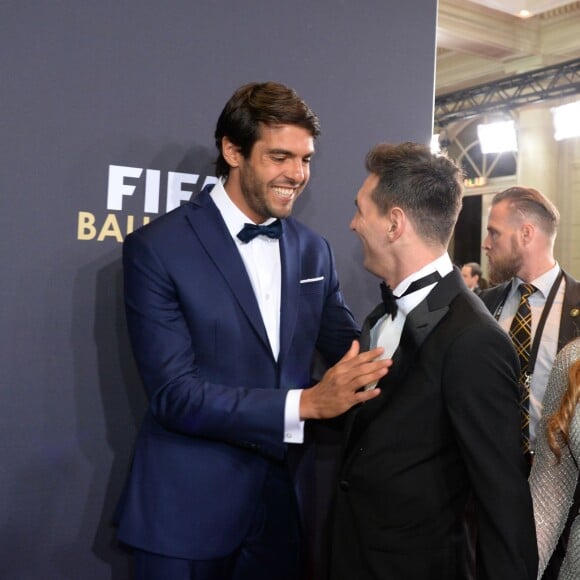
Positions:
(387, 332)
(549, 339)
(261, 258)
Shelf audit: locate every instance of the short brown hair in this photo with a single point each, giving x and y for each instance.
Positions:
(428, 187)
(257, 104)
(531, 203)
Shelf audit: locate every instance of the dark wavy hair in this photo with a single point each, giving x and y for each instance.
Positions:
(254, 105)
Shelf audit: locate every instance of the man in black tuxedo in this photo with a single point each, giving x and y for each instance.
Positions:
(447, 421)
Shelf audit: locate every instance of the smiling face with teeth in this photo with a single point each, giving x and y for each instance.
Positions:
(267, 182)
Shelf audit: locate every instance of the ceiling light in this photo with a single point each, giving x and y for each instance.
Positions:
(497, 137)
(566, 121)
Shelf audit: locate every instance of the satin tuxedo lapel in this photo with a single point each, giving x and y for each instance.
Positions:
(370, 321)
(214, 236)
(419, 324)
(364, 341)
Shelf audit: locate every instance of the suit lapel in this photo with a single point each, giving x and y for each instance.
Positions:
(570, 319)
(422, 320)
(495, 296)
(214, 236)
(365, 345)
(370, 321)
(289, 299)
(419, 324)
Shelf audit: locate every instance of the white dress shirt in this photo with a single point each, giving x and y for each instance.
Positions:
(261, 257)
(387, 332)
(549, 339)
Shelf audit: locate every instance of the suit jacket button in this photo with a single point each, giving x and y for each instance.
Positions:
(344, 484)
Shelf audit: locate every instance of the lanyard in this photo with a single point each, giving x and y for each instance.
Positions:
(541, 323)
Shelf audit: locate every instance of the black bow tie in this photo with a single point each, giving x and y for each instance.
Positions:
(390, 300)
(250, 231)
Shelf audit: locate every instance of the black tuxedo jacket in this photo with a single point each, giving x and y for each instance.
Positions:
(447, 423)
(570, 319)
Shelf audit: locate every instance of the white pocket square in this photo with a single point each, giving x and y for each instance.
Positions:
(310, 280)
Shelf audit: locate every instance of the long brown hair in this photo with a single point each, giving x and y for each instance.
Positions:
(558, 429)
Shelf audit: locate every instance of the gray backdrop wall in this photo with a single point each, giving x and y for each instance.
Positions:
(106, 119)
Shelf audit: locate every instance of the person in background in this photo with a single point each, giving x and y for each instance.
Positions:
(446, 425)
(227, 300)
(472, 276)
(521, 231)
(555, 474)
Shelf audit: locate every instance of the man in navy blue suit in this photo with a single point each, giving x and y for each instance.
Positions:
(227, 300)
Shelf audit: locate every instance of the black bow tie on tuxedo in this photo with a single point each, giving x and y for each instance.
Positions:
(390, 300)
(250, 231)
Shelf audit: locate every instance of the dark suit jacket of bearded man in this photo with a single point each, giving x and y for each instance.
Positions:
(570, 319)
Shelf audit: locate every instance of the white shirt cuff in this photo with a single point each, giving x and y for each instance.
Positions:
(293, 426)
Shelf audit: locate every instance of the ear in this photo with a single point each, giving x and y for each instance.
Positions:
(231, 152)
(397, 222)
(527, 232)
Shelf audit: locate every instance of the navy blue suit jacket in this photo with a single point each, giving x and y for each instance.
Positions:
(216, 394)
